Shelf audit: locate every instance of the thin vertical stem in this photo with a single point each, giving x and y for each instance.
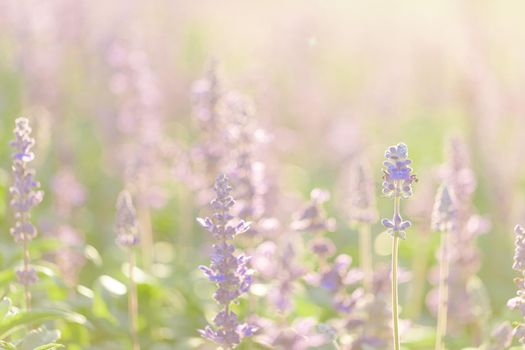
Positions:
(365, 255)
(395, 302)
(443, 294)
(146, 234)
(395, 315)
(415, 298)
(27, 293)
(133, 302)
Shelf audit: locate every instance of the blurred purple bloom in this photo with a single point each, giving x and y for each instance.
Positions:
(24, 194)
(126, 221)
(312, 217)
(518, 302)
(444, 212)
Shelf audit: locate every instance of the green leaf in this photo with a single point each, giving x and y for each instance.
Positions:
(6, 346)
(22, 318)
(51, 346)
(5, 307)
(38, 338)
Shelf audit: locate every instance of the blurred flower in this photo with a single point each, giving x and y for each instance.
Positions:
(518, 302)
(300, 335)
(126, 221)
(500, 338)
(464, 260)
(228, 271)
(361, 194)
(444, 213)
(208, 155)
(24, 195)
(68, 191)
(247, 174)
(277, 265)
(312, 218)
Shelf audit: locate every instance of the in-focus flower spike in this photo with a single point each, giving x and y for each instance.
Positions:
(444, 212)
(126, 224)
(518, 302)
(24, 196)
(229, 272)
(398, 179)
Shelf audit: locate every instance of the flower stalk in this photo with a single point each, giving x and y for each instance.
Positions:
(444, 221)
(24, 196)
(229, 272)
(397, 184)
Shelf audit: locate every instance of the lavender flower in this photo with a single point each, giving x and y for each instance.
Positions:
(277, 265)
(464, 260)
(398, 179)
(229, 272)
(359, 201)
(24, 196)
(312, 217)
(126, 224)
(140, 120)
(207, 94)
(300, 335)
(518, 302)
(500, 338)
(361, 194)
(444, 213)
(248, 174)
(443, 220)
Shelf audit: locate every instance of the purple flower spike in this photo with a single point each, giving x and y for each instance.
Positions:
(24, 195)
(518, 302)
(126, 223)
(397, 170)
(229, 272)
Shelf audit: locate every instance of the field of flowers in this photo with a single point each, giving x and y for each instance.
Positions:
(301, 174)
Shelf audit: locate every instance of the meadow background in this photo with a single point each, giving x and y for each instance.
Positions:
(331, 81)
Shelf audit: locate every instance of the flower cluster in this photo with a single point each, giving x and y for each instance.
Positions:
(126, 221)
(518, 302)
(444, 212)
(398, 177)
(464, 260)
(247, 173)
(361, 194)
(277, 265)
(229, 272)
(24, 195)
(207, 94)
(312, 217)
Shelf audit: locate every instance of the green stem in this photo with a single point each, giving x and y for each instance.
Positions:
(395, 301)
(133, 302)
(27, 293)
(146, 231)
(365, 255)
(416, 296)
(443, 294)
(395, 315)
